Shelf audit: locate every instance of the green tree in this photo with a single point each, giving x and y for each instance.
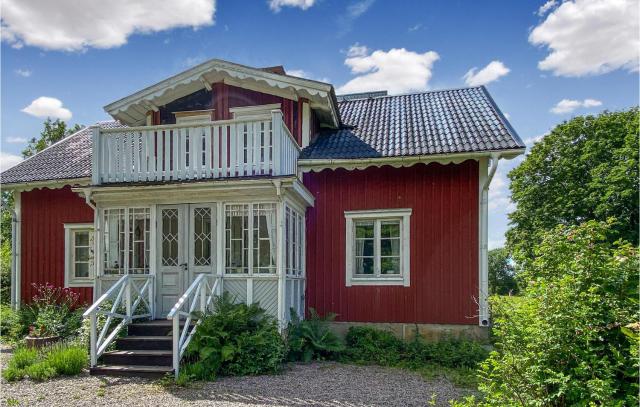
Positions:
(585, 169)
(54, 131)
(502, 279)
(571, 338)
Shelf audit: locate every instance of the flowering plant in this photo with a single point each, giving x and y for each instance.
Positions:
(54, 311)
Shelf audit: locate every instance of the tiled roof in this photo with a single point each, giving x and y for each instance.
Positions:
(437, 122)
(69, 158)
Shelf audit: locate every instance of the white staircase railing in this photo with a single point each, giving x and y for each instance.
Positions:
(130, 291)
(199, 297)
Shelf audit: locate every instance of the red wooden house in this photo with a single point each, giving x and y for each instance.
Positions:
(272, 188)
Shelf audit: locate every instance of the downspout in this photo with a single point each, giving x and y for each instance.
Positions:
(96, 232)
(484, 250)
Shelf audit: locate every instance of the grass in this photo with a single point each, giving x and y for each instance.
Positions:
(47, 363)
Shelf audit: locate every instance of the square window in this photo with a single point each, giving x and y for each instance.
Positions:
(377, 247)
(79, 255)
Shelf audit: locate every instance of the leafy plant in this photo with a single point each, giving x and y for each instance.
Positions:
(40, 371)
(12, 374)
(23, 357)
(67, 359)
(563, 342)
(236, 339)
(312, 338)
(370, 345)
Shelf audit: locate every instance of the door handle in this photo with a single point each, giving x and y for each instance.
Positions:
(184, 266)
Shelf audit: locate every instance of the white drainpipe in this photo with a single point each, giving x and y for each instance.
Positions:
(14, 256)
(484, 250)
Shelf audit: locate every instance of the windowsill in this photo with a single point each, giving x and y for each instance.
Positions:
(80, 284)
(377, 281)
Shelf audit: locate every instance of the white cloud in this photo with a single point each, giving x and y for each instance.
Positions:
(45, 106)
(414, 27)
(532, 140)
(276, 5)
(193, 61)
(396, 70)
(590, 37)
(16, 140)
(546, 7)
(569, 105)
(492, 72)
(300, 73)
(25, 73)
(70, 26)
(8, 160)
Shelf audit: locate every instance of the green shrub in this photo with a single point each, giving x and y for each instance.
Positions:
(67, 359)
(311, 338)
(23, 357)
(453, 353)
(370, 345)
(570, 339)
(237, 339)
(40, 371)
(12, 373)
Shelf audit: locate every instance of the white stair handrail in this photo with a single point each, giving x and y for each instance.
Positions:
(200, 294)
(123, 290)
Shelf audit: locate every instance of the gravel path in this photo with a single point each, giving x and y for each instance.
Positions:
(316, 384)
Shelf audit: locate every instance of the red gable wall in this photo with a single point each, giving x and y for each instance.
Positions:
(43, 215)
(444, 243)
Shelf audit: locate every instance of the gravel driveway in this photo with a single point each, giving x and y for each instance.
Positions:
(316, 384)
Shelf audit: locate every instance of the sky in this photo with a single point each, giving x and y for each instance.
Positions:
(543, 62)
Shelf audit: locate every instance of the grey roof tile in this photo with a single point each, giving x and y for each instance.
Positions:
(69, 158)
(437, 122)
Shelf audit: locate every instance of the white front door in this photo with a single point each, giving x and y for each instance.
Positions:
(186, 247)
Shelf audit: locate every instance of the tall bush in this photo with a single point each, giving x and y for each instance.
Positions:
(564, 341)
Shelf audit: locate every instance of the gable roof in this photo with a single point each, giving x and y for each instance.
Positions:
(429, 123)
(132, 109)
(69, 158)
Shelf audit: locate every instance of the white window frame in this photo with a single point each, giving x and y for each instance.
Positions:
(70, 280)
(404, 216)
(254, 112)
(188, 117)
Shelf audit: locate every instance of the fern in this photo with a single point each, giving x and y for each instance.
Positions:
(312, 338)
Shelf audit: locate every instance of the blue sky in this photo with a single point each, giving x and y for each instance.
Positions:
(531, 55)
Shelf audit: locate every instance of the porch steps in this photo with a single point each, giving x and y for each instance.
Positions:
(145, 352)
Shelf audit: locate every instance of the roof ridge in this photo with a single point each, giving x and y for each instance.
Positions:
(424, 92)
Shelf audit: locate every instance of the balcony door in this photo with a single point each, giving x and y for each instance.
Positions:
(186, 248)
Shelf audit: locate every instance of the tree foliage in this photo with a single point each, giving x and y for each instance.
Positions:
(566, 341)
(585, 169)
(54, 131)
(502, 279)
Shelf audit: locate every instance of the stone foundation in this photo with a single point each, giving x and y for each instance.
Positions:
(430, 332)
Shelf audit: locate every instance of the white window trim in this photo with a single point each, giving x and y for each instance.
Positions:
(193, 116)
(256, 111)
(69, 246)
(404, 215)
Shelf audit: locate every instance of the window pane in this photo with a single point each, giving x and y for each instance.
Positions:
(390, 247)
(390, 229)
(82, 238)
(82, 254)
(364, 247)
(364, 229)
(170, 237)
(364, 265)
(236, 242)
(390, 265)
(81, 270)
(202, 236)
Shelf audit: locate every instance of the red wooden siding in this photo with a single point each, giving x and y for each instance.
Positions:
(444, 243)
(43, 215)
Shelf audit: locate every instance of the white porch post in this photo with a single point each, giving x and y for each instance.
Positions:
(280, 266)
(220, 245)
(276, 128)
(95, 159)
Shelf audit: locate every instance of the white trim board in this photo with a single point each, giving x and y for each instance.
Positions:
(69, 228)
(404, 215)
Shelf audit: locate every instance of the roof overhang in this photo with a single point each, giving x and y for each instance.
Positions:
(132, 110)
(51, 184)
(316, 165)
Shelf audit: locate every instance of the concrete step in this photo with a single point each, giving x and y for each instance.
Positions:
(154, 372)
(138, 358)
(136, 342)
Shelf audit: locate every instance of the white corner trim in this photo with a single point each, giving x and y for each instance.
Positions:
(404, 215)
(306, 124)
(69, 228)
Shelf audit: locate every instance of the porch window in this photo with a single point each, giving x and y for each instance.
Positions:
(126, 237)
(79, 255)
(294, 235)
(250, 245)
(377, 247)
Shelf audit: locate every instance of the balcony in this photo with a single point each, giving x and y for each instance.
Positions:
(246, 147)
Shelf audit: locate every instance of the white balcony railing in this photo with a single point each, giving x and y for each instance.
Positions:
(208, 150)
